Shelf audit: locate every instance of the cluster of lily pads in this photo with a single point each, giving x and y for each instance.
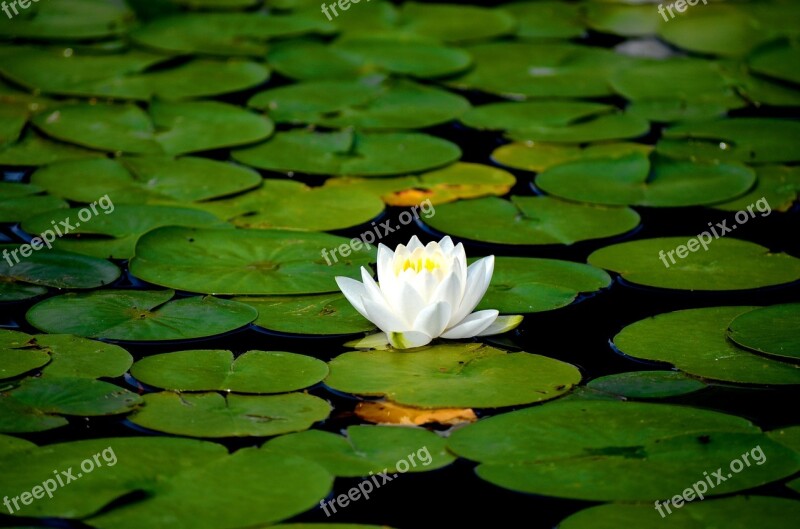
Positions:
(239, 138)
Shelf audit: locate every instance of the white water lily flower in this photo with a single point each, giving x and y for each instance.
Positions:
(426, 292)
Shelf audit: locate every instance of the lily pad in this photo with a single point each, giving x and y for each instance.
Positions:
(771, 331)
(293, 205)
(455, 23)
(521, 284)
(238, 262)
(398, 104)
(349, 153)
(635, 180)
(225, 34)
(37, 404)
(34, 150)
(15, 357)
(776, 61)
(145, 179)
(139, 315)
(50, 268)
(724, 264)
(76, 19)
(71, 356)
(628, 20)
(232, 415)
(721, 29)
(216, 370)
(546, 20)
(322, 314)
(643, 451)
(778, 185)
(536, 156)
(115, 235)
(737, 512)
(531, 220)
(557, 121)
(169, 128)
(694, 341)
(458, 375)
(751, 140)
(20, 201)
(366, 450)
(647, 384)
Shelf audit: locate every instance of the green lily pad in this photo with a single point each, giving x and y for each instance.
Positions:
(33, 150)
(520, 70)
(137, 180)
(169, 128)
(238, 262)
(628, 20)
(789, 437)
(725, 264)
(359, 57)
(643, 451)
(455, 23)
(51, 268)
(16, 358)
(751, 140)
(521, 285)
(458, 375)
(71, 356)
(115, 236)
(778, 185)
(232, 415)
(37, 404)
(673, 110)
(9, 444)
(216, 370)
(536, 156)
(365, 449)
(546, 20)
(225, 34)
(76, 20)
(349, 153)
(635, 180)
(647, 384)
(20, 201)
(290, 204)
(322, 314)
(456, 181)
(139, 315)
(694, 341)
(556, 121)
(771, 331)
(776, 61)
(531, 220)
(12, 121)
(398, 104)
(737, 512)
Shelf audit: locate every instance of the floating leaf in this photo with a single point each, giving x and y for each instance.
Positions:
(20, 201)
(629, 20)
(647, 384)
(366, 449)
(256, 262)
(322, 314)
(726, 30)
(33, 150)
(771, 330)
(232, 415)
(458, 375)
(15, 356)
(139, 315)
(455, 23)
(694, 341)
(385, 412)
(216, 370)
(778, 185)
(724, 264)
(536, 156)
(546, 20)
(76, 19)
(776, 61)
(531, 220)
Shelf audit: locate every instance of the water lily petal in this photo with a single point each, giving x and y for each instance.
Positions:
(472, 325)
(405, 301)
(502, 324)
(446, 244)
(385, 259)
(370, 286)
(414, 243)
(353, 291)
(449, 291)
(479, 274)
(379, 314)
(433, 319)
(408, 340)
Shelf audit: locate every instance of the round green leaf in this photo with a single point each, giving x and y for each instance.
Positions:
(521, 284)
(724, 264)
(536, 157)
(453, 375)
(721, 29)
(34, 150)
(455, 23)
(366, 449)
(76, 19)
(216, 370)
(777, 185)
(776, 60)
(642, 452)
(20, 201)
(629, 20)
(634, 180)
(771, 330)
(647, 384)
(139, 315)
(257, 262)
(232, 415)
(531, 220)
(546, 20)
(349, 153)
(169, 128)
(694, 341)
(16, 357)
(323, 314)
